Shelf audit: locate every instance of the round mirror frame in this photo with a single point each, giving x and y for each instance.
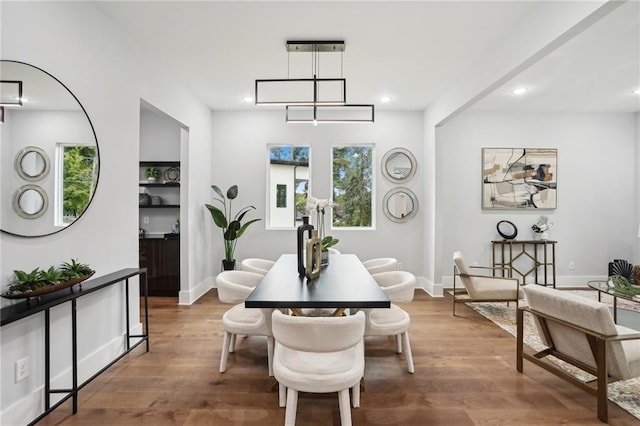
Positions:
(18, 195)
(387, 199)
(21, 156)
(21, 190)
(389, 155)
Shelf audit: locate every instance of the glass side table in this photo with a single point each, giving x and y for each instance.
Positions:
(603, 287)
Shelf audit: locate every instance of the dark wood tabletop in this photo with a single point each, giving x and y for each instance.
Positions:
(344, 283)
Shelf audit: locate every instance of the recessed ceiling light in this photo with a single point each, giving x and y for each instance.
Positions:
(385, 99)
(520, 91)
(636, 92)
(247, 99)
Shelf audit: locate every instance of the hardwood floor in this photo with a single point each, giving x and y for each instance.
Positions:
(465, 375)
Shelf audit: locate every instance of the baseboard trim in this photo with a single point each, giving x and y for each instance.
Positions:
(188, 297)
(432, 289)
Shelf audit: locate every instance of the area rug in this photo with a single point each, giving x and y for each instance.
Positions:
(625, 393)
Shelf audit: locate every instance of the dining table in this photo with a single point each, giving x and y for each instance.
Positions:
(343, 284)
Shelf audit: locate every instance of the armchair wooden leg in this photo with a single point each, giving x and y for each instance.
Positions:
(519, 338)
(601, 354)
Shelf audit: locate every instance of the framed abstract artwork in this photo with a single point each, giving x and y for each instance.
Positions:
(519, 178)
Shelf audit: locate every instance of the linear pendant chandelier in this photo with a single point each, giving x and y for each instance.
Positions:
(315, 99)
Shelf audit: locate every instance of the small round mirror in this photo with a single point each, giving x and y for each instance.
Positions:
(32, 163)
(398, 165)
(400, 204)
(30, 202)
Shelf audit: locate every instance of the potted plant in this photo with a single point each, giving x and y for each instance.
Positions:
(327, 242)
(152, 174)
(230, 224)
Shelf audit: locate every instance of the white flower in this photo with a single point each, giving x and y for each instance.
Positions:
(318, 204)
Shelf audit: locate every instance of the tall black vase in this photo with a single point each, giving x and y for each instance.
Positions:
(306, 226)
(228, 265)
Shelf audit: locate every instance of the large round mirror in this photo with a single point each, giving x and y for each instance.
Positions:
(399, 165)
(32, 163)
(400, 204)
(48, 136)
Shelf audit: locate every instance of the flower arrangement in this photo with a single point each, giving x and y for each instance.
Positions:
(542, 225)
(319, 205)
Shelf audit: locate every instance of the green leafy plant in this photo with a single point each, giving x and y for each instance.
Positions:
(329, 241)
(152, 173)
(26, 281)
(231, 224)
(74, 269)
(623, 286)
(51, 276)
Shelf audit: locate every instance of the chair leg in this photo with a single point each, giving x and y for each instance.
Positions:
(225, 351)
(398, 344)
(282, 395)
(232, 345)
(407, 351)
(355, 395)
(345, 409)
(270, 344)
(292, 407)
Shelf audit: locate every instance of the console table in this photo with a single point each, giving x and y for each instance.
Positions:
(540, 253)
(44, 303)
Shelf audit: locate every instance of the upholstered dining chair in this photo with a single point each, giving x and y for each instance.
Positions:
(482, 288)
(399, 287)
(318, 355)
(581, 332)
(257, 265)
(381, 264)
(235, 286)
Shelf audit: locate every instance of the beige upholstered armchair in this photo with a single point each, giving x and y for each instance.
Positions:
(581, 332)
(481, 288)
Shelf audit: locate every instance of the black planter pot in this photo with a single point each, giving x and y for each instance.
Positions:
(228, 265)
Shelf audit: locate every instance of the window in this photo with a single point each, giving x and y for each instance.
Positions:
(353, 186)
(76, 177)
(282, 196)
(288, 184)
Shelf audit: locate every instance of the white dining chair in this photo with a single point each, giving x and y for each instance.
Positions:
(235, 286)
(318, 355)
(381, 264)
(257, 265)
(399, 287)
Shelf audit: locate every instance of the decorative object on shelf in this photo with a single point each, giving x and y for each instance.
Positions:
(156, 200)
(172, 174)
(507, 230)
(300, 247)
(313, 261)
(176, 227)
(39, 281)
(519, 178)
(541, 228)
(152, 174)
(230, 224)
(313, 100)
(144, 199)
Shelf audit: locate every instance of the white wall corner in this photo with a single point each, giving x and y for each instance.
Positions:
(433, 290)
(188, 297)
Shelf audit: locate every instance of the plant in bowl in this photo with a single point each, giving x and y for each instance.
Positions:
(230, 223)
(74, 269)
(51, 276)
(329, 241)
(25, 281)
(152, 173)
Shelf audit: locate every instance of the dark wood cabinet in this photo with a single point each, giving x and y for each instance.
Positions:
(161, 257)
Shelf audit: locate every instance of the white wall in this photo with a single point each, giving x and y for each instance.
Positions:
(97, 62)
(240, 154)
(594, 221)
(636, 255)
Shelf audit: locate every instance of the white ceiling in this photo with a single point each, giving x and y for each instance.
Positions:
(411, 51)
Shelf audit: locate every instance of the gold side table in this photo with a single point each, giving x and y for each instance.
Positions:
(541, 254)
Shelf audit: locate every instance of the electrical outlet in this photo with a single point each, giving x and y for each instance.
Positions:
(145, 220)
(22, 369)
(400, 266)
(572, 265)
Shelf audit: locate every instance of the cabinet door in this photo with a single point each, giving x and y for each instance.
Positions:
(162, 260)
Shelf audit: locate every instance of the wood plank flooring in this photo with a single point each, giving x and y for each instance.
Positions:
(465, 375)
